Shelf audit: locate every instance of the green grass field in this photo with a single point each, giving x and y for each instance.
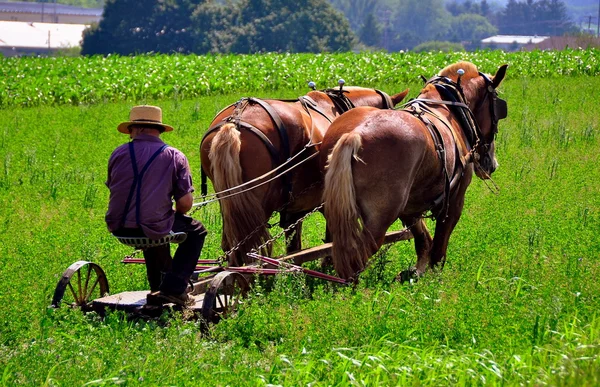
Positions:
(518, 302)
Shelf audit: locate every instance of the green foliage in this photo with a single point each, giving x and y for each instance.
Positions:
(543, 17)
(33, 81)
(213, 27)
(436, 46)
(141, 26)
(370, 31)
(471, 28)
(247, 26)
(516, 304)
(357, 10)
(419, 21)
(458, 8)
(280, 25)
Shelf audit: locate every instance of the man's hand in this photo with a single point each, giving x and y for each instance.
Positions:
(184, 204)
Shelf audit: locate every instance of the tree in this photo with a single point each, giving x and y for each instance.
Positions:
(418, 21)
(213, 28)
(544, 17)
(370, 32)
(299, 26)
(484, 9)
(201, 26)
(471, 28)
(458, 8)
(356, 10)
(138, 26)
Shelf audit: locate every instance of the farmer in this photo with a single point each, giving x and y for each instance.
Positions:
(144, 176)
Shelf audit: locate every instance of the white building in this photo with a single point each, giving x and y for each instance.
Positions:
(19, 38)
(511, 42)
(48, 13)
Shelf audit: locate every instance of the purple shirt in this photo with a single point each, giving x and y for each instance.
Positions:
(167, 177)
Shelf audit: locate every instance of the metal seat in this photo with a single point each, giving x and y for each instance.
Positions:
(142, 243)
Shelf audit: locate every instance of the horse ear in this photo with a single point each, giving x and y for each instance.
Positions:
(396, 99)
(497, 79)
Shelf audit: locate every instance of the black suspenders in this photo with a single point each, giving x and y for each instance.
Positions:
(137, 181)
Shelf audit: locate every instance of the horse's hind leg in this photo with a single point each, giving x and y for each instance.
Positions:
(444, 227)
(423, 244)
(375, 225)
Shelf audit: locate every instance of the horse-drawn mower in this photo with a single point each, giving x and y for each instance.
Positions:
(216, 288)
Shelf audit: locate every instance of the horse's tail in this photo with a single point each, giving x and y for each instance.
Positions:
(243, 214)
(349, 252)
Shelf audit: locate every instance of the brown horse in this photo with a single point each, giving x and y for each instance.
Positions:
(385, 165)
(253, 137)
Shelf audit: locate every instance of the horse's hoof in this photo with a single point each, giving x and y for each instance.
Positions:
(409, 275)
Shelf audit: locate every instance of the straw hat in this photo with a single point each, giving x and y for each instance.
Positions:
(144, 114)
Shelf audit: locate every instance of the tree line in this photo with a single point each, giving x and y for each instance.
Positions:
(250, 26)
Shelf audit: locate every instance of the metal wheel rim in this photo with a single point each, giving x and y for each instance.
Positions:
(224, 296)
(81, 281)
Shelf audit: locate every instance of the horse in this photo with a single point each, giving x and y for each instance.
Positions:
(384, 165)
(271, 145)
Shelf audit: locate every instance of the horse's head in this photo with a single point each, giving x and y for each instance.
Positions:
(480, 94)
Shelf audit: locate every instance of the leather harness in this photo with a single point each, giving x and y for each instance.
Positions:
(452, 95)
(341, 102)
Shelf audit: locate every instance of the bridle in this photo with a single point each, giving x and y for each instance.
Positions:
(453, 95)
(498, 106)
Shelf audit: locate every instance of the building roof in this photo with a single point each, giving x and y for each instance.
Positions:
(40, 35)
(509, 39)
(563, 42)
(48, 8)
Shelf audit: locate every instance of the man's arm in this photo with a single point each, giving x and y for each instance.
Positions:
(184, 203)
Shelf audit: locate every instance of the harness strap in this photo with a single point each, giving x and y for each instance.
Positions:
(438, 141)
(466, 122)
(463, 149)
(312, 104)
(285, 142)
(270, 147)
(387, 101)
(339, 99)
(137, 181)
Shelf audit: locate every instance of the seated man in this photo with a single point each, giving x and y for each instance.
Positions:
(143, 178)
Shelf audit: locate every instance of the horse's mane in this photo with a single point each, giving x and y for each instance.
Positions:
(450, 71)
(469, 68)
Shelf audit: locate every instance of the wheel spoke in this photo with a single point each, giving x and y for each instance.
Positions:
(226, 296)
(220, 302)
(89, 295)
(87, 279)
(73, 292)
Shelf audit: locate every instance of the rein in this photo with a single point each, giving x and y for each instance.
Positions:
(264, 176)
(340, 101)
(452, 95)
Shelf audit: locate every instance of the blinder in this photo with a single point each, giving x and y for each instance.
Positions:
(501, 108)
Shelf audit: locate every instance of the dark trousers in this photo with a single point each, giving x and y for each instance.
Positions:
(173, 275)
